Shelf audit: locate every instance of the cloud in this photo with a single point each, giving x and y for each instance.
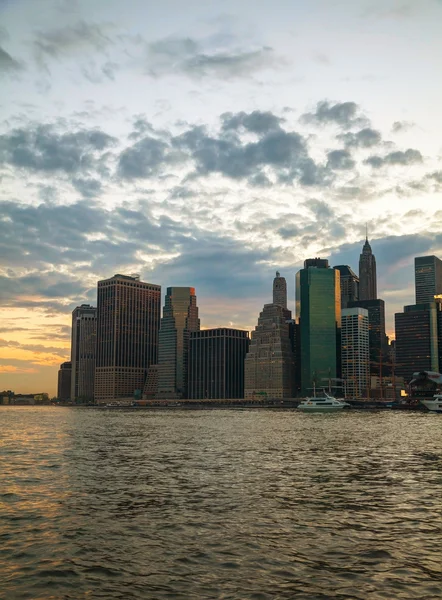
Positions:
(145, 158)
(255, 122)
(340, 160)
(343, 114)
(188, 57)
(64, 41)
(365, 138)
(437, 176)
(88, 188)
(7, 63)
(15, 369)
(401, 126)
(43, 148)
(398, 157)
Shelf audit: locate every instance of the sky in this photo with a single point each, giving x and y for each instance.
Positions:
(208, 145)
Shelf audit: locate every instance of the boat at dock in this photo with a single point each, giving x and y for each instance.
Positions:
(435, 404)
(325, 403)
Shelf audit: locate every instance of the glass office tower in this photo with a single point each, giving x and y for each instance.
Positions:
(180, 318)
(318, 302)
(428, 278)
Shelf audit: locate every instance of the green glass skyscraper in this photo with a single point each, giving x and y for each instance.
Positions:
(318, 308)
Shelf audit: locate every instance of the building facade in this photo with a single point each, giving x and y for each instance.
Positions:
(379, 356)
(83, 351)
(428, 278)
(349, 285)
(128, 320)
(318, 302)
(180, 318)
(367, 274)
(64, 381)
(216, 363)
(417, 339)
(355, 351)
(270, 361)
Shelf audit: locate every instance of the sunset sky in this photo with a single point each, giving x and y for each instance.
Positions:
(208, 144)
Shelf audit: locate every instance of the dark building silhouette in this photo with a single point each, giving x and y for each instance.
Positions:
(349, 285)
(216, 363)
(417, 337)
(270, 361)
(127, 335)
(428, 278)
(367, 274)
(378, 341)
(180, 318)
(83, 351)
(318, 309)
(64, 381)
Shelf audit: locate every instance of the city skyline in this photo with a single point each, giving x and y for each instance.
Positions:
(208, 148)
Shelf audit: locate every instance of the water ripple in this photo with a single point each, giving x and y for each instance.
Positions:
(249, 505)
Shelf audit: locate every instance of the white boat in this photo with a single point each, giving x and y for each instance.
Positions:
(325, 403)
(434, 405)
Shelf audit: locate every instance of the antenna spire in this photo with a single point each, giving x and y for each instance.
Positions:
(366, 231)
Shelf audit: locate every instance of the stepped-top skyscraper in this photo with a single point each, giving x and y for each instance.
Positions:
(270, 362)
(180, 318)
(367, 274)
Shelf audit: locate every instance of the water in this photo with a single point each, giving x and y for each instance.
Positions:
(219, 504)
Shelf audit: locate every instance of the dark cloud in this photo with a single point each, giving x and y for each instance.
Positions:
(365, 138)
(146, 158)
(398, 157)
(340, 160)
(256, 122)
(43, 148)
(187, 56)
(344, 114)
(7, 63)
(88, 188)
(285, 153)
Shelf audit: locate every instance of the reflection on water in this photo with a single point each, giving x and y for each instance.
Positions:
(219, 504)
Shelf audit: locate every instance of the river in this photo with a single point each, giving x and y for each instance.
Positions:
(219, 504)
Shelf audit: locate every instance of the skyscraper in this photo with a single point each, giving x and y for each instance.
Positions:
(318, 300)
(127, 335)
(216, 363)
(180, 318)
(377, 336)
(417, 347)
(349, 285)
(355, 350)
(428, 278)
(270, 361)
(367, 274)
(64, 381)
(83, 350)
(280, 290)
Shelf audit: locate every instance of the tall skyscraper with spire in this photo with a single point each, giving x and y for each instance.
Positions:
(367, 273)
